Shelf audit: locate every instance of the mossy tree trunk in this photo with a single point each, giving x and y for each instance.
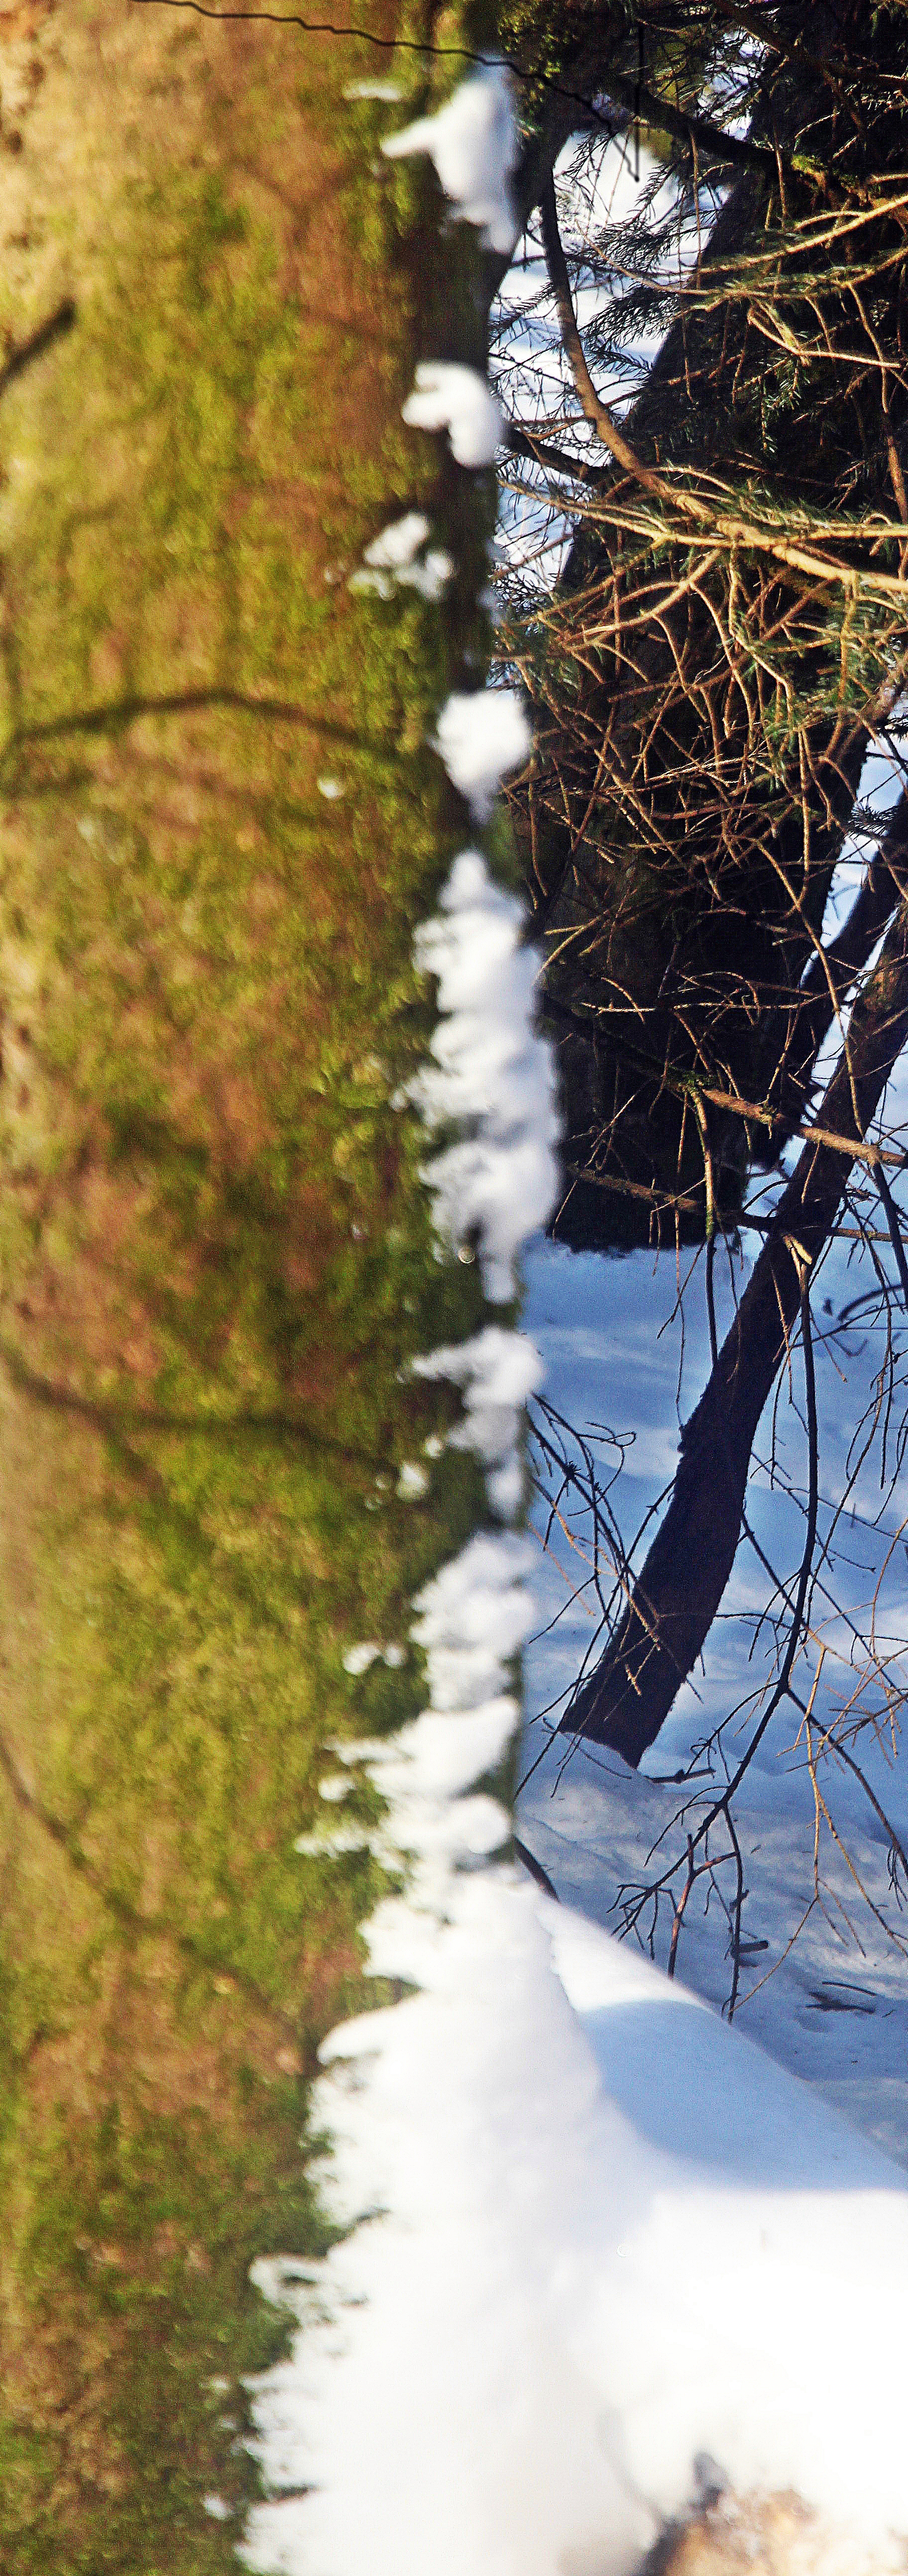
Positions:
(216, 827)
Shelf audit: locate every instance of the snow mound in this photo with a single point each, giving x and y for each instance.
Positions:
(523, 2356)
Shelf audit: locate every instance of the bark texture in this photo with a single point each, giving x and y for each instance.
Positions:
(213, 1237)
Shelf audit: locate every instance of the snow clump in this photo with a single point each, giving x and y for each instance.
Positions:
(498, 1371)
(455, 398)
(481, 739)
(474, 143)
(489, 1073)
(396, 556)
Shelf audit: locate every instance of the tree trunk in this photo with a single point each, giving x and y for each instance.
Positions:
(678, 1591)
(212, 1227)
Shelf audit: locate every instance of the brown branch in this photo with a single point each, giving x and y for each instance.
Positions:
(870, 912)
(594, 410)
(679, 1909)
(539, 451)
(758, 1114)
(661, 1203)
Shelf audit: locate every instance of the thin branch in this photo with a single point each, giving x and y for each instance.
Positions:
(594, 410)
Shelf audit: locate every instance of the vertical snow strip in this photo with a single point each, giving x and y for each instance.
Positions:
(490, 1076)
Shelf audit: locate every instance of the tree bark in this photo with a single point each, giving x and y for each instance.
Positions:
(212, 1227)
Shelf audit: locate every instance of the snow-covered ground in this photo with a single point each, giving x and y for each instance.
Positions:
(621, 2256)
(834, 2007)
(603, 2253)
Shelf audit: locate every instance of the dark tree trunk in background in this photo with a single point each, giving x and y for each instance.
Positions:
(677, 1594)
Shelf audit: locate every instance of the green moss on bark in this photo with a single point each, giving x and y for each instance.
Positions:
(218, 822)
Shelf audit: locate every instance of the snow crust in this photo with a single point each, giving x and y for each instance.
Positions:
(474, 143)
(455, 398)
